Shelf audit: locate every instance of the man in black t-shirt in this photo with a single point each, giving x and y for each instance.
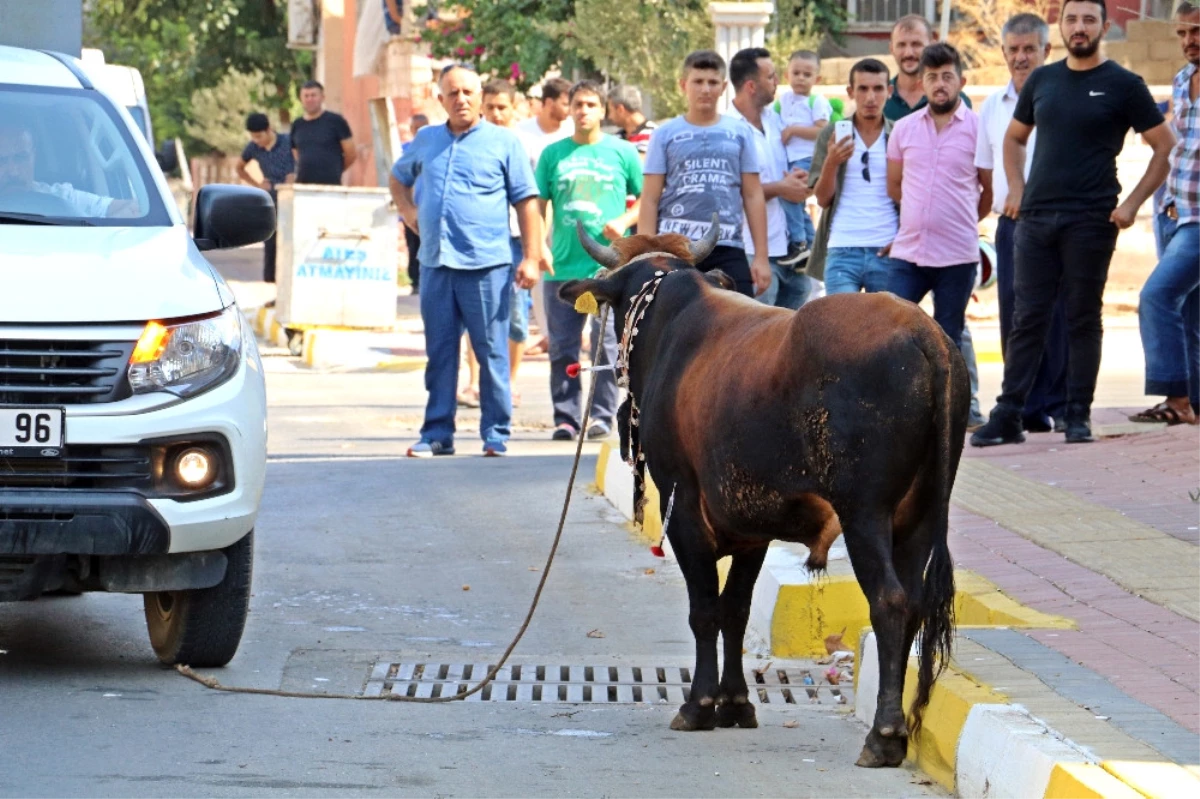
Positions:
(1067, 213)
(320, 140)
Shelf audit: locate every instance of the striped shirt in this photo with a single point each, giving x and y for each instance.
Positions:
(1183, 181)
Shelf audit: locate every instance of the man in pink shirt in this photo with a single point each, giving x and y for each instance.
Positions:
(942, 194)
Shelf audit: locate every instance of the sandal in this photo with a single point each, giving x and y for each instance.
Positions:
(469, 397)
(1163, 413)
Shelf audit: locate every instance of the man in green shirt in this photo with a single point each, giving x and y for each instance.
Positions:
(586, 178)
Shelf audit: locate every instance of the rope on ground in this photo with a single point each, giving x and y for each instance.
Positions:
(214, 684)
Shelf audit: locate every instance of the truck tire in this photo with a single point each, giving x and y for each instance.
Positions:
(203, 627)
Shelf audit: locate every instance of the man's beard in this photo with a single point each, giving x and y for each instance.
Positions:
(943, 108)
(1084, 50)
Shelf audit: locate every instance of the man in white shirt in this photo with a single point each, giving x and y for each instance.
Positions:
(552, 123)
(20, 192)
(1026, 44)
(754, 80)
(849, 177)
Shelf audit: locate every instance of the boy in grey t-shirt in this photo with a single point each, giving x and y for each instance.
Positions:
(703, 162)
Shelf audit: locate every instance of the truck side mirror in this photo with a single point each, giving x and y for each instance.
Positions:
(232, 216)
(168, 161)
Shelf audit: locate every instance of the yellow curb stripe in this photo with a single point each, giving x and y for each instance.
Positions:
(1154, 780)
(411, 363)
(1086, 781)
(935, 750)
(602, 465)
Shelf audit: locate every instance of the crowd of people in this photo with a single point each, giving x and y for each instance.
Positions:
(902, 183)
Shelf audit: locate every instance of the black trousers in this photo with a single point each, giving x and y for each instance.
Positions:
(732, 261)
(1058, 253)
(413, 242)
(269, 247)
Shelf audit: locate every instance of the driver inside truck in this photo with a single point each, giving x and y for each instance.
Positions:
(17, 156)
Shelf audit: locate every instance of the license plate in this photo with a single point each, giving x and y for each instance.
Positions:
(31, 432)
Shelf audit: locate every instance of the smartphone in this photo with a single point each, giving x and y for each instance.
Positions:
(841, 129)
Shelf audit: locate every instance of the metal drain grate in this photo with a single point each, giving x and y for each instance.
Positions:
(591, 684)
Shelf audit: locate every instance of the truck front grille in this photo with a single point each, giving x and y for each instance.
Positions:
(63, 372)
(83, 467)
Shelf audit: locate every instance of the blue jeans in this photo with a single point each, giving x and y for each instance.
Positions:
(521, 305)
(851, 269)
(564, 328)
(788, 289)
(1169, 314)
(951, 287)
(1048, 397)
(476, 300)
(800, 224)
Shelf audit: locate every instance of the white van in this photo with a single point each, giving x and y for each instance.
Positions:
(132, 400)
(122, 84)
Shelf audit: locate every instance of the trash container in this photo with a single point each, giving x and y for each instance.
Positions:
(337, 258)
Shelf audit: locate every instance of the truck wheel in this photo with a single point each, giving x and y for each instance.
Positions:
(203, 627)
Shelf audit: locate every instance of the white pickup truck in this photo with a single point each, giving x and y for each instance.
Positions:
(132, 399)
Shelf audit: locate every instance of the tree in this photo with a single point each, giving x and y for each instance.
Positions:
(220, 111)
(977, 31)
(516, 39)
(640, 42)
(181, 46)
(812, 18)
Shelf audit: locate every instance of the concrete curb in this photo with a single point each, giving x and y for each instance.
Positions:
(794, 610)
(975, 743)
(267, 329)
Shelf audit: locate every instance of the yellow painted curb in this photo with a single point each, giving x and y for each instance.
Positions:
(806, 613)
(1086, 781)
(978, 602)
(410, 363)
(935, 750)
(1154, 780)
(260, 322)
(308, 352)
(602, 465)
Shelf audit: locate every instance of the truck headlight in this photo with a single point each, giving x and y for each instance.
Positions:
(186, 357)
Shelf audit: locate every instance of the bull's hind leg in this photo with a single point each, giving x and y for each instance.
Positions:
(733, 705)
(869, 541)
(698, 563)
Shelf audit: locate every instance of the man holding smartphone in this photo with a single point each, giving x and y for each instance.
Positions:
(858, 219)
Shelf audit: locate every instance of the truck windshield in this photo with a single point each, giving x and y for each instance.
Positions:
(66, 158)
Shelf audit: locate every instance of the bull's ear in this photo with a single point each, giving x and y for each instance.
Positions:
(604, 289)
(720, 280)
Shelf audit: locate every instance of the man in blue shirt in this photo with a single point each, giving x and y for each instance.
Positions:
(467, 173)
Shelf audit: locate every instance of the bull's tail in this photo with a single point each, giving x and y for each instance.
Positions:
(936, 636)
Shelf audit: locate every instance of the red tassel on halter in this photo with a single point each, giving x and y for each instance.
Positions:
(657, 549)
(573, 370)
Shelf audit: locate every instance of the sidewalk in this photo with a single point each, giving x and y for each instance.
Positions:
(1104, 534)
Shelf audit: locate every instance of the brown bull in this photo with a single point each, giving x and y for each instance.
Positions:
(845, 417)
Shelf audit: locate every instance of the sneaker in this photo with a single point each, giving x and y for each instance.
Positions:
(1037, 424)
(495, 449)
(599, 430)
(797, 256)
(1060, 424)
(1004, 427)
(1079, 431)
(427, 449)
(564, 432)
(975, 421)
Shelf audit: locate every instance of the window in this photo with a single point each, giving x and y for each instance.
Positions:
(880, 14)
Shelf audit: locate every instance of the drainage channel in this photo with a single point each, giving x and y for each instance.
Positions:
(576, 684)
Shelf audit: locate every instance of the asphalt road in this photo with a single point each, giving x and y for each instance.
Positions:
(365, 557)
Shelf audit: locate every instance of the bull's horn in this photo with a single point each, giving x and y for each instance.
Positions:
(703, 248)
(601, 254)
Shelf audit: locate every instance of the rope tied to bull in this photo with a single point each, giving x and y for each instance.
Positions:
(214, 684)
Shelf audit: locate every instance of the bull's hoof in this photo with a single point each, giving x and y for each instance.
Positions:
(693, 717)
(880, 752)
(741, 714)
